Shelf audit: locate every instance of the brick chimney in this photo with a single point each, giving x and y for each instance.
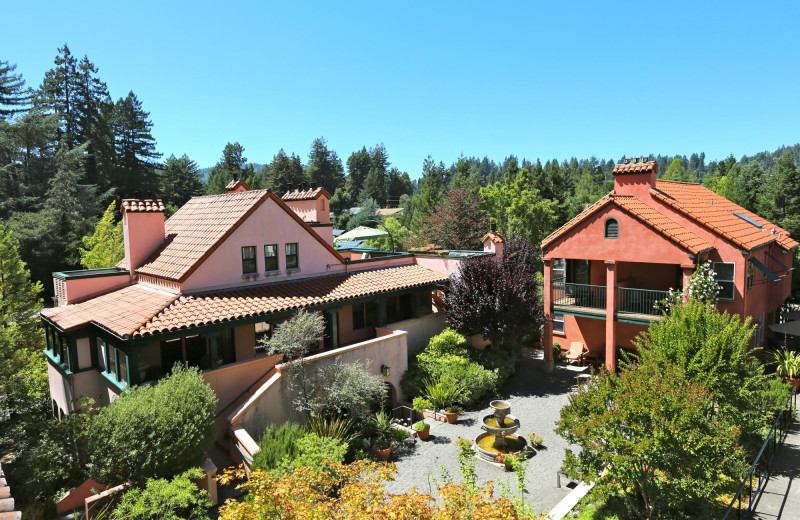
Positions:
(143, 230)
(635, 177)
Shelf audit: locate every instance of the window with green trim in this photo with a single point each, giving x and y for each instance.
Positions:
(611, 228)
(751, 274)
(559, 270)
(558, 323)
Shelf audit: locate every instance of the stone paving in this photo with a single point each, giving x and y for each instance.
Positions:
(780, 499)
(536, 398)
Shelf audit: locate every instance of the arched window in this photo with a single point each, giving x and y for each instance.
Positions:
(612, 228)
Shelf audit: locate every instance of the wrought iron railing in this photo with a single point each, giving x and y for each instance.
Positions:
(761, 466)
(639, 301)
(579, 295)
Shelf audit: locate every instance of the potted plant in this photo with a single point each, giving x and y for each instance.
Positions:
(508, 460)
(383, 430)
(787, 366)
(422, 428)
(536, 440)
(444, 394)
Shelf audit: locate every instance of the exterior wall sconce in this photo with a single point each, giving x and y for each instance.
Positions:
(385, 370)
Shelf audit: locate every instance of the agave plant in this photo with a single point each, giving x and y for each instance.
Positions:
(334, 427)
(787, 363)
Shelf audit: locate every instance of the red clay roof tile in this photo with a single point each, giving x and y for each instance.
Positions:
(142, 205)
(717, 214)
(637, 167)
(309, 194)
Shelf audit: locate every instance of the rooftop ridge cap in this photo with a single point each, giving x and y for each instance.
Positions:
(240, 193)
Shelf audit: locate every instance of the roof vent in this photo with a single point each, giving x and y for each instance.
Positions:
(773, 231)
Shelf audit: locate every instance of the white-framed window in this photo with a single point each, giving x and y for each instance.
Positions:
(559, 270)
(726, 279)
(558, 323)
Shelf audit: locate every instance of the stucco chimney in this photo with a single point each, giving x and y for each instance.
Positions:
(237, 186)
(635, 177)
(143, 230)
(493, 242)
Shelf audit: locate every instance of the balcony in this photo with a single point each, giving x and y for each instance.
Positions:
(591, 299)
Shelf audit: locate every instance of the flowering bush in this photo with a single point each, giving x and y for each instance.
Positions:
(703, 285)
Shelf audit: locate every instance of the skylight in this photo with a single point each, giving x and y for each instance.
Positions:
(748, 219)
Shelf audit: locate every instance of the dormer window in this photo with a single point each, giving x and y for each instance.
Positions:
(611, 228)
(248, 259)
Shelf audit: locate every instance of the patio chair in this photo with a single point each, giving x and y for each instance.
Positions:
(576, 352)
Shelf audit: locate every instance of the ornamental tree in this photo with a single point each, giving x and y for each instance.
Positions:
(497, 299)
(457, 222)
(651, 431)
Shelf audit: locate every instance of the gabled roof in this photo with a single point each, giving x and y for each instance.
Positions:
(137, 311)
(718, 215)
(201, 225)
(644, 213)
(308, 194)
(236, 184)
(494, 236)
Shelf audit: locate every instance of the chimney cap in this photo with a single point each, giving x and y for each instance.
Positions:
(142, 206)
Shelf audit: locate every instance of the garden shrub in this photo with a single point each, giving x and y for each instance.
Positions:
(161, 499)
(311, 450)
(446, 356)
(277, 443)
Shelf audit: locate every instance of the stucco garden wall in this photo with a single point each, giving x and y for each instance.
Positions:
(420, 330)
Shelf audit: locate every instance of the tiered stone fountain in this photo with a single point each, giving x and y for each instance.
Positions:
(498, 436)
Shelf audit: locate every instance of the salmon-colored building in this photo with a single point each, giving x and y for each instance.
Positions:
(204, 286)
(607, 267)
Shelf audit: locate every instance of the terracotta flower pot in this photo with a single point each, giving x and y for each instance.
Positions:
(423, 433)
(383, 455)
(451, 417)
(795, 382)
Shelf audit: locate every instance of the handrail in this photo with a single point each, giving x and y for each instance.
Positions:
(782, 426)
(579, 295)
(639, 301)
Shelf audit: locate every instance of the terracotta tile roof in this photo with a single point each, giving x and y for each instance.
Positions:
(142, 205)
(122, 311)
(196, 229)
(641, 211)
(637, 167)
(309, 194)
(695, 201)
(494, 236)
(204, 309)
(235, 184)
(663, 224)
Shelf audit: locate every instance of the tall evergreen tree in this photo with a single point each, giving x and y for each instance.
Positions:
(91, 97)
(14, 98)
(232, 166)
(285, 173)
(358, 166)
(324, 166)
(179, 180)
(135, 149)
(57, 95)
(105, 247)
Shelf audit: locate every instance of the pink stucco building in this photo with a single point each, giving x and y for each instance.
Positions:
(605, 269)
(204, 286)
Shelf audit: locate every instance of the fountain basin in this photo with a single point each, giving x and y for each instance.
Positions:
(501, 408)
(500, 425)
(487, 450)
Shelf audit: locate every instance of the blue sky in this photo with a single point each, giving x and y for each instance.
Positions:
(442, 78)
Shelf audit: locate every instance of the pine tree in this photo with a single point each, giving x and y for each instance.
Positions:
(324, 166)
(285, 173)
(14, 98)
(91, 96)
(135, 149)
(358, 166)
(57, 95)
(179, 180)
(104, 247)
(232, 166)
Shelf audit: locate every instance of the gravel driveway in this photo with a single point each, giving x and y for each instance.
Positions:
(536, 398)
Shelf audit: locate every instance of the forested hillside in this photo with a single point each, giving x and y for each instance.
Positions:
(68, 149)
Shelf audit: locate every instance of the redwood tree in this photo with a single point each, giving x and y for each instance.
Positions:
(457, 222)
(498, 299)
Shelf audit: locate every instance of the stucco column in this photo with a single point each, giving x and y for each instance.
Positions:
(547, 329)
(688, 269)
(611, 306)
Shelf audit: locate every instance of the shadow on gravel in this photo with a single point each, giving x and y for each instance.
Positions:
(531, 380)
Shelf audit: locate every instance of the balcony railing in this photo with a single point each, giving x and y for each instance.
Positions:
(639, 301)
(579, 295)
(629, 301)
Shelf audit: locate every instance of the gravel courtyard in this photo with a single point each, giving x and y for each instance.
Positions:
(536, 398)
